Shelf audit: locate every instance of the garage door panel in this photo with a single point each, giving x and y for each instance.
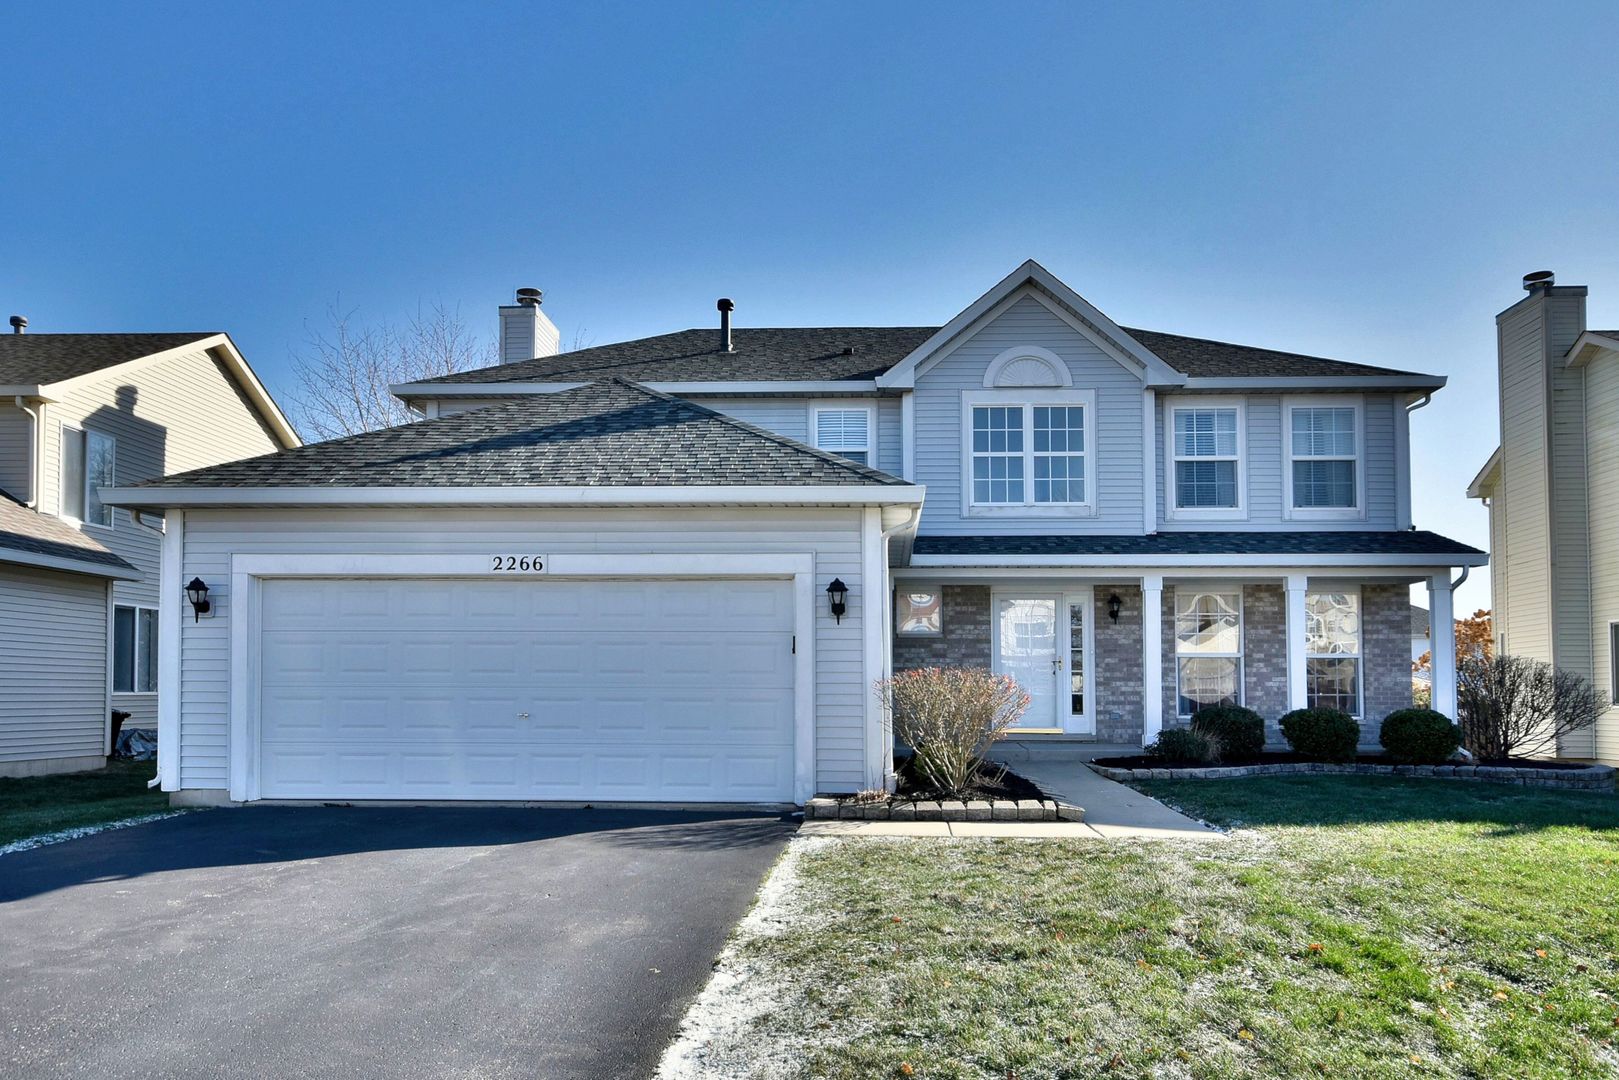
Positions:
(533, 689)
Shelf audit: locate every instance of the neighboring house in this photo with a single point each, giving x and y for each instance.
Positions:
(1420, 643)
(79, 583)
(1552, 487)
(673, 569)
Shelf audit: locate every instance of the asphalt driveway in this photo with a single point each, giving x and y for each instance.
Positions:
(333, 942)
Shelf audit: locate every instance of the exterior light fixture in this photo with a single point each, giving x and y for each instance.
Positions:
(197, 593)
(838, 595)
(1114, 606)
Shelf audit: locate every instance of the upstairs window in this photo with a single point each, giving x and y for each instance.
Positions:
(1032, 454)
(1324, 466)
(845, 432)
(88, 463)
(1205, 452)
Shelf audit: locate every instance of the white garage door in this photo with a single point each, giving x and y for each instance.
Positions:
(526, 689)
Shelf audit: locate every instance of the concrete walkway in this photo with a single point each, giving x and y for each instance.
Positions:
(1112, 812)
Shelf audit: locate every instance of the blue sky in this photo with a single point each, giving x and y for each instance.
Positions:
(1361, 181)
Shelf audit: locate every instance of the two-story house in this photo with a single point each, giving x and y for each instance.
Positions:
(79, 595)
(674, 569)
(1552, 487)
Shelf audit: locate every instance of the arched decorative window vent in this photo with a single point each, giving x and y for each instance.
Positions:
(1027, 365)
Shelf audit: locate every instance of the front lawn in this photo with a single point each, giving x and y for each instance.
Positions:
(34, 805)
(1355, 926)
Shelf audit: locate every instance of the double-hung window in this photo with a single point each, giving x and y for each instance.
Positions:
(1027, 454)
(1324, 467)
(845, 432)
(134, 649)
(88, 459)
(1332, 651)
(1208, 648)
(1613, 662)
(1205, 453)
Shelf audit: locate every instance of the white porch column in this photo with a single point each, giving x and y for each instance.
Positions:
(1152, 656)
(1442, 641)
(1298, 585)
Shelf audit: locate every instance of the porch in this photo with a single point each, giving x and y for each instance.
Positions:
(1109, 660)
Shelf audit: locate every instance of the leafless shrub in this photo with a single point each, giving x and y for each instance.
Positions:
(1515, 706)
(949, 717)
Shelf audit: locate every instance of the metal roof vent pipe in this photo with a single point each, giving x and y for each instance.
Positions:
(1540, 279)
(726, 307)
(19, 323)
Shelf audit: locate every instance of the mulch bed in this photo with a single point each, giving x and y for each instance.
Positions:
(991, 782)
(1146, 761)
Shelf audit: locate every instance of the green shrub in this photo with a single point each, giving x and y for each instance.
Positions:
(1240, 731)
(1419, 736)
(1322, 734)
(1185, 744)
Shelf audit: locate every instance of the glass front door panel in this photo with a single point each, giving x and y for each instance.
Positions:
(1027, 630)
(1076, 659)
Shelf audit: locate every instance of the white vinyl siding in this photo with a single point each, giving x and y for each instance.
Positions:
(1602, 477)
(53, 682)
(1114, 427)
(833, 537)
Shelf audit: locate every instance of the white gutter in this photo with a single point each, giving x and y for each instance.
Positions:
(1171, 563)
(1322, 382)
(704, 495)
(36, 431)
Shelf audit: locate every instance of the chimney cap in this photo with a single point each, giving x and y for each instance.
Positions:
(725, 304)
(529, 297)
(19, 323)
(1539, 279)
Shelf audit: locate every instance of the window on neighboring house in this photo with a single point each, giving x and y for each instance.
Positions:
(1206, 448)
(88, 459)
(134, 650)
(1030, 454)
(845, 432)
(918, 611)
(1324, 459)
(1208, 648)
(1613, 663)
(1332, 651)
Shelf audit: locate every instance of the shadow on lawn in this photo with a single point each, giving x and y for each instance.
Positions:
(1370, 800)
(286, 834)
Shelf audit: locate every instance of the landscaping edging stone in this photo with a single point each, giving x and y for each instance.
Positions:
(823, 808)
(1590, 778)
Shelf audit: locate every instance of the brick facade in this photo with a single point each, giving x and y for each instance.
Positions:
(966, 641)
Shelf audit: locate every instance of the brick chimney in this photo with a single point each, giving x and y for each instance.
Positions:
(525, 331)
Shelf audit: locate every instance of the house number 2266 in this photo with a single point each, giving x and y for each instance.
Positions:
(517, 564)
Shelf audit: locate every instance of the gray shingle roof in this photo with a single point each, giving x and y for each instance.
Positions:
(37, 359)
(1405, 542)
(823, 354)
(1419, 621)
(22, 530)
(609, 433)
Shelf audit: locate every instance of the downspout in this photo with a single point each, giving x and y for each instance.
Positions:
(1415, 405)
(890, 780)
(36, 430)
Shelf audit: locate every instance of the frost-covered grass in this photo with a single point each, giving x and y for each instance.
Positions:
(35, 805)
(1354, 926)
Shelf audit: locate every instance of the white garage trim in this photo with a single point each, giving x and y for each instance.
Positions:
(247, 571)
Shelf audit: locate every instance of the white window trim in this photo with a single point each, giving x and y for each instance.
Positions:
(1613, 663)
(817, 408)
(1323, 513)
(1027, 399)
(61, 489)
(1172, 512)
(1241, 655)
(135, 655)
(910, 586)
(1360, 646)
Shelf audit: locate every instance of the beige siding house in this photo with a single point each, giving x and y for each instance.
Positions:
(1553, 492)
(79, 581)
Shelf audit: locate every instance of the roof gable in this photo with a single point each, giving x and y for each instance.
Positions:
(43, 359)
(610, 433)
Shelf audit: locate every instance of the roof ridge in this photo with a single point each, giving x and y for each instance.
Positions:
(863, 471)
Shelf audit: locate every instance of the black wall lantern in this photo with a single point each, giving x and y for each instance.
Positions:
(1114, 606)
(838, 594)
(197, 593)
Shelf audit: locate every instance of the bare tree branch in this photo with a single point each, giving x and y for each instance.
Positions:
(344, 371)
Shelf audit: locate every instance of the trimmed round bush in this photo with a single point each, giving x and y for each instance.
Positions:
(1322, 734)
(1185, 744)
(1240, 731)
(1419, 736)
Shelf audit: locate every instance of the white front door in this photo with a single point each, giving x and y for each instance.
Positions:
(1043, 640)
